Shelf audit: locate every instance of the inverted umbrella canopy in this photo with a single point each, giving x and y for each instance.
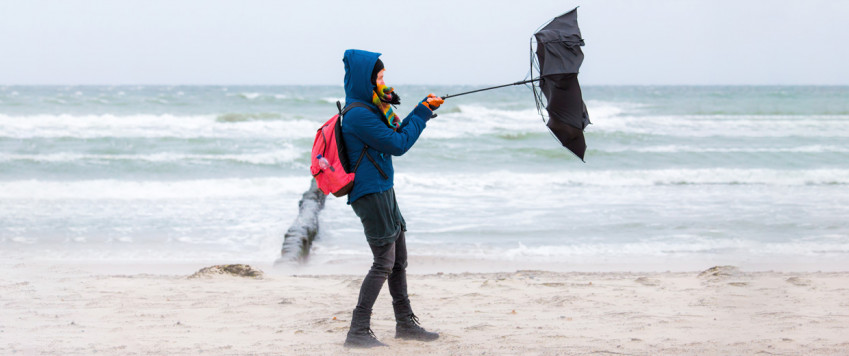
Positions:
(559, 58)
(556, 90)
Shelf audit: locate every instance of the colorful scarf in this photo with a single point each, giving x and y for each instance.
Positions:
(383, 97)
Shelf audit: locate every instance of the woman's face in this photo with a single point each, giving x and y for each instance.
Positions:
(379, 79)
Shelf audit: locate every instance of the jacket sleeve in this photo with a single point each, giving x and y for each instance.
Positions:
(377, 135)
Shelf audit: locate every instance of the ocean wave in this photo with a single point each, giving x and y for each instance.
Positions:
(250, 96)
(332, 100)
(461, 122)
(557, 252)
(457, 122)
(144, 125)
(428, 184)
(682, 246)
(475, 120)
(617, 117)
(605, 109)
(289, 154)
(278, 97)
(727, 125)
(508, 181)
(685, 246)
(466, 121)
(237, 117)
(701, 149)
(153, 190)
(257, 96)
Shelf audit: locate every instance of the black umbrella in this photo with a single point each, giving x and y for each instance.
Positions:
(558, 58)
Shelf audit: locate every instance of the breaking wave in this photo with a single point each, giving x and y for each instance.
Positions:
(145, 125)
(153, 190)
(474, 183)
(773, 126)
(237, 117)
(259, 158)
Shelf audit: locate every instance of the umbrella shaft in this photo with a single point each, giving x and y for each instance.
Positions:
(490, 88)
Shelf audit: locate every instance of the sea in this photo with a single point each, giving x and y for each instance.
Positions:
(675, 178)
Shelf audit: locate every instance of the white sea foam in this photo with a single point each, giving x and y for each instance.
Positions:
(254, 95)
(477, 183)
(470, 121)
(599, 252)
(699, 246)
(289, 154)
(474, 120)
(610, 117)
(598, 109)
(473, 186)
(98, 126)
(701, 149)
(477, 120)
(727, 125)
(557, 252)
(333, 100)
(153, 190)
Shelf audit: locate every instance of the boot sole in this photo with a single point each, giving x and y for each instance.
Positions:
(416, 338)
(358, 346)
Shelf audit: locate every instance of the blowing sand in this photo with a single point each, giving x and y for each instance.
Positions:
(62, 310)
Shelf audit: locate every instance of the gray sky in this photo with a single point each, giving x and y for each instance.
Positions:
(424, 42)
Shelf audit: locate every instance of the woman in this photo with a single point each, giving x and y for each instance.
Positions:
(375, 128)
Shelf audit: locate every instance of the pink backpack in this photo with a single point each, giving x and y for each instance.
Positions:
(330, 166)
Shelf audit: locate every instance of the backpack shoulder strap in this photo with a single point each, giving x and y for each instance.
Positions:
(342, 112)
(355, 104)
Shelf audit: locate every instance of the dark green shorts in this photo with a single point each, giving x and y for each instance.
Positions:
(381, 218)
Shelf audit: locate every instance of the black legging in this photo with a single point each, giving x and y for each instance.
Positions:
(389, 261)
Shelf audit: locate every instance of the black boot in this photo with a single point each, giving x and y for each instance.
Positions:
(407, 325)
(360, 334)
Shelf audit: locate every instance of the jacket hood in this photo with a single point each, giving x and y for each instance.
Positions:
(358, 67)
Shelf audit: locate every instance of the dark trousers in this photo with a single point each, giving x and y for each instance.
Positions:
(390, 261)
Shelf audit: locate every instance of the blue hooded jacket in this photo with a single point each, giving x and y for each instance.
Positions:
(361, 127)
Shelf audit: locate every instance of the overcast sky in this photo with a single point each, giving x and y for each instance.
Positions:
(423, 42)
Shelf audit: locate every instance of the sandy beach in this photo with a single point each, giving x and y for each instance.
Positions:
(63, 309)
